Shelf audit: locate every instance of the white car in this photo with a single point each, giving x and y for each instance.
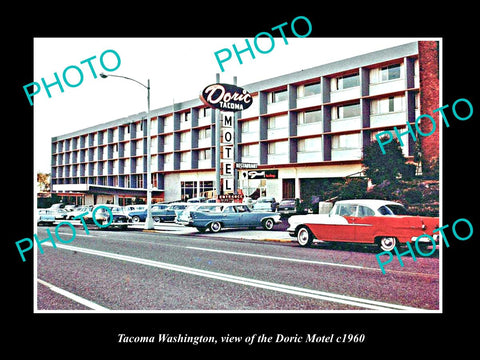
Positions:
(367, 221)
(45, 216)
(60, 214)
(78, 211)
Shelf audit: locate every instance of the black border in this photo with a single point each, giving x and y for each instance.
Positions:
(93, 333)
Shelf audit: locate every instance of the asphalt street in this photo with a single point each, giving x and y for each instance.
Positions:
(174, 268)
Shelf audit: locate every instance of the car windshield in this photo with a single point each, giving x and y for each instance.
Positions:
(287, 202)
(392, 209)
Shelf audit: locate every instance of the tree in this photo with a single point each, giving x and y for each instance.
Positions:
(43, 181)
(390, 166)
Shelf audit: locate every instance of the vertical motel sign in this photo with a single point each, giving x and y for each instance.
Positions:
(227, 99)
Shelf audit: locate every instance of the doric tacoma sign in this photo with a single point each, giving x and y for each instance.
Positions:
(226, 97)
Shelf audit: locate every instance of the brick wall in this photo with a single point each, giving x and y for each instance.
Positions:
(429, 100)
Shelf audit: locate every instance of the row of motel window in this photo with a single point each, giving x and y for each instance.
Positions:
(344, 146)
(393, 104)
(377, 75)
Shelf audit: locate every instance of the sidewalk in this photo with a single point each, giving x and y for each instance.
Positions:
(242, 234)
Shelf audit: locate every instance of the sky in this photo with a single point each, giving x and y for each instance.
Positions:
(178, 69)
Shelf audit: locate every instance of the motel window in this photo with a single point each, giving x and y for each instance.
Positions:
(308, 90)
(204, 133)
(184, 157)
(345, 82)
(309, 145)
(391, 72)
(345, 111)
(204, 112)
(278, 122)
(277, 96)
(245, 126)
(168, 124)
(271, 148)
(348, 141)
(183, 136)
(250, 150)
(185, 116)
(387, 105)
(204, 154)
(277, 148)
(309, 117)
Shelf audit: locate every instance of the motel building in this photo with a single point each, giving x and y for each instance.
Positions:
(303, 130)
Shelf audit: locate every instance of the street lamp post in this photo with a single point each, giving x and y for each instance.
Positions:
(148, 220)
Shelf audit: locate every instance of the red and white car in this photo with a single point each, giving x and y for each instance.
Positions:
(380, 222)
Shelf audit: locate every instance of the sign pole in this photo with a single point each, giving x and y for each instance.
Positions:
(217, 146)
(235, 145)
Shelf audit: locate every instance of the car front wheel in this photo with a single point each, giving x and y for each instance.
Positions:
(135, 219)
(304, 236)
(215, 227)
(268, 224)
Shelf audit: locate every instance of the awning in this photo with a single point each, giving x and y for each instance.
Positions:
(78, 189)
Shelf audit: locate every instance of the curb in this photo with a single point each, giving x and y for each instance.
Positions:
(225, 237)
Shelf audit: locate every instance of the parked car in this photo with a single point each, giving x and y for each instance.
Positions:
(141, 214)
(45, 216)
(69, 207)
(265, 204)
(57, 206)
(291, 206)
(200, 199)
(247, 200)
(231, 216)
(59, 213)
(163, 212)
(128, 208)
(183, 216)
(380, 222)
(171, 212)
(78, 211)
(102, 216)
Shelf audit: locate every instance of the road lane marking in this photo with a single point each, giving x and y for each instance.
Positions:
(70, 234)
(321, 295)
(282, 258)
(316, 262)
(72, 296)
